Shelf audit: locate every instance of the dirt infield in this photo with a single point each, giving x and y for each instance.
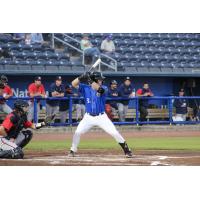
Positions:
(105, 157)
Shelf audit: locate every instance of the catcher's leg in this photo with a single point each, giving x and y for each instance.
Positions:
(84, 125)
(105, 123)
(10, 150)
(23, 138)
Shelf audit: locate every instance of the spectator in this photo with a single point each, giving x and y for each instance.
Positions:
(19, 37)
(88, 48)
(126, 91)
(64, 104)
(3, 106)
(4, 53)
(181, 107)
(35, 89)
(37, 38)
(144, 103)
(56, 90)
(27, 39)
(79, 105)
(7, 93)
(112, 106)
(108, 46)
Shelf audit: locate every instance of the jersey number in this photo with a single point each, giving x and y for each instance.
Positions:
(88, 100)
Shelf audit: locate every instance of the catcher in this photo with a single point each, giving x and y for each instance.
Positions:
(12, 137)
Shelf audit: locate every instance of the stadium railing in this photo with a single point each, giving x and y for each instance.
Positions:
(136, 119)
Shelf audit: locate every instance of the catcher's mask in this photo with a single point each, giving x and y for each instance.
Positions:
(21, 106)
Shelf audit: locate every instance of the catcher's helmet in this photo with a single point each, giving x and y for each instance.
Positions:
(4, 79)
(95, 76)
(19, 104)
(113, 82)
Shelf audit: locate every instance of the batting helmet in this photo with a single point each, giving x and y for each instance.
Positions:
(95, 76)
(4, 79)
(19, 104)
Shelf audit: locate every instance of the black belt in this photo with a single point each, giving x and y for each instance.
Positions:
(92, 114)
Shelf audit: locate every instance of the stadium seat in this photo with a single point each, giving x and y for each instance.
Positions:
(31, 62)
(64, 63)
(41, 62)
(76, 63)
(53, 62)
(20, 61)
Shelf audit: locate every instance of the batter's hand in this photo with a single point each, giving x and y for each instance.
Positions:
(85, 76)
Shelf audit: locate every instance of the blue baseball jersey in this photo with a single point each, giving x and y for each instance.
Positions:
(94, 102)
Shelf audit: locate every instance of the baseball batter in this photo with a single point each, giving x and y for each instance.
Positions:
(94, 95)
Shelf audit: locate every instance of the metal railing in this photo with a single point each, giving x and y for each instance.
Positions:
(136, 118)
(102, 55)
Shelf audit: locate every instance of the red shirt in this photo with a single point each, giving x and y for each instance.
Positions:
(11, 124)
(142, 91)
(32, 88)
(7, 90)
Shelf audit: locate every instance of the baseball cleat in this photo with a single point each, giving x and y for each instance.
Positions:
(129, 154)
(71, 153)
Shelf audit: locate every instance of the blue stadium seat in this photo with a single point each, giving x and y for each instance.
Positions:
(155, 64)
(124, 64)
(53, 62)
(135, 49)
(61, 56)
(31, 62)
(64, 62)
(76, 63)
(7, 61)
(41, 62)
(19, 61)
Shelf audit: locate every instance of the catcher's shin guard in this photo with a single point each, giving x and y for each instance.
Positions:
(16, 153)
(126, 149)
(26, 138)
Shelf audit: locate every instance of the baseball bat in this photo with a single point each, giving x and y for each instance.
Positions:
(95, 64)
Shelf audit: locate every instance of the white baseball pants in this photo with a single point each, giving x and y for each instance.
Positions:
(101, 121)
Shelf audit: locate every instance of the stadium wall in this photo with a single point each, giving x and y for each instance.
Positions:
(161, 86)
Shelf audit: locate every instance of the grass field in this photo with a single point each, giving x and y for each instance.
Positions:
(167, 143)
